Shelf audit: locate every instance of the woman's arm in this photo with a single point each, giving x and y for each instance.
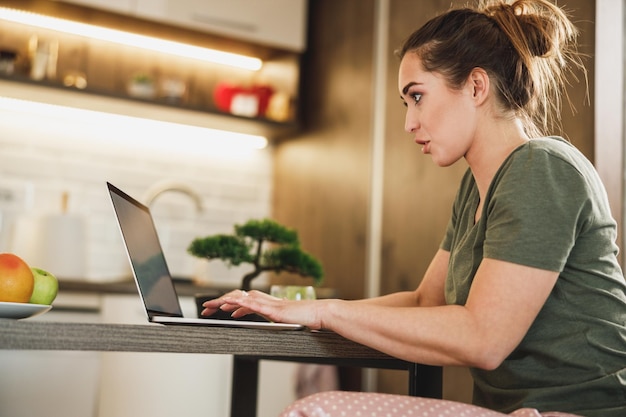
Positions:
(503, 302)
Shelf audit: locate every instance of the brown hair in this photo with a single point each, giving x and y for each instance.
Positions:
(528, 47)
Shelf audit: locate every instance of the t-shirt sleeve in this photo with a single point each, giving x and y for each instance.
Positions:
(535, 212)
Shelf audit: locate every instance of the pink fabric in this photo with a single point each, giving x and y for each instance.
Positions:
(358, 404)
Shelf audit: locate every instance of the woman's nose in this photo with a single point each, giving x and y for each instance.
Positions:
(410, 124)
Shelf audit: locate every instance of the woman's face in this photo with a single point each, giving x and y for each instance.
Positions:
(440, 119)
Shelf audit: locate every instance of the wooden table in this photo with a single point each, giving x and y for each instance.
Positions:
(247, 346)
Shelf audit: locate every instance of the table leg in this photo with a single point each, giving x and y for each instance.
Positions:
(243, 397)
(425, 381)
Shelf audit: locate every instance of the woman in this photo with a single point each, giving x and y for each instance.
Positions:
(526, 288)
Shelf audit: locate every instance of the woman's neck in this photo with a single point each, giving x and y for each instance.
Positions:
(491, 146)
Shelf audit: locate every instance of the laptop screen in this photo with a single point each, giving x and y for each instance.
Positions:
(146, 255)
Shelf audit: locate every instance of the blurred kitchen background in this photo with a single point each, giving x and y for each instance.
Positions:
(325, 153)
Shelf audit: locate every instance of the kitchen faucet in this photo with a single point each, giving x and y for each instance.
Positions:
(168, 185)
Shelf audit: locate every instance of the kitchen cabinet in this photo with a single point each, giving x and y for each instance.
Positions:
(53, 383)
(168, 384)
(277, 23)
(118, 6)
(109, 72)
(159, 384)
(192, 88)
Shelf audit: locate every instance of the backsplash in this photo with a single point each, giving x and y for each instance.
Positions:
(43, 159)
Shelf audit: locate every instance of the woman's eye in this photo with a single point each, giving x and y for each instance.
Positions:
(413, 97)
(416, 97)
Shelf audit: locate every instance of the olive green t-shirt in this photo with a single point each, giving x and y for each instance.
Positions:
(547, 208)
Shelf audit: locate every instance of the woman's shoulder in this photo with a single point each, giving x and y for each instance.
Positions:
(554, 144)
(551, 149)
(547, 162)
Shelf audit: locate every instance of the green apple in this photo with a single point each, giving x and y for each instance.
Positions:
(46, 287)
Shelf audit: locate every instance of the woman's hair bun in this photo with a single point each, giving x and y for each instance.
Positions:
(541, 27)
(538, 34)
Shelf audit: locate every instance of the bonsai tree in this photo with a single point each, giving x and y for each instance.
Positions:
(266, 244)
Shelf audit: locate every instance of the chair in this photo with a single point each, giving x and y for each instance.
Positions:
(349, 404)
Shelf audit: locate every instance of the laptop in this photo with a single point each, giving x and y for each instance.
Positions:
(151, 273)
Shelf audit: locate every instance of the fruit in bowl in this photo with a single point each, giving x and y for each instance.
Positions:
(46, 287)
(16, 279)
(21, 283)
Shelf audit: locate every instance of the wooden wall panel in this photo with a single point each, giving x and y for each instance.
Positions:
(321, 184)
(417, 197)
(417, 194)
(578, 121)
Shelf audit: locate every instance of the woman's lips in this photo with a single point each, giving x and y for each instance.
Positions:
(425, 145)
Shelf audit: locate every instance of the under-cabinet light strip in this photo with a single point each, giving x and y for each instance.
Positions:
(135, 131)
(130, 39)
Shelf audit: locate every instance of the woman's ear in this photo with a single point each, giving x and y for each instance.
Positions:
(479, 83)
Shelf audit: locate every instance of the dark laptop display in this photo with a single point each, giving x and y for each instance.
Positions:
(146, 255)
(150, 270)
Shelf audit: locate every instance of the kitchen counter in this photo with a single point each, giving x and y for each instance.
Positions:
(184, 288)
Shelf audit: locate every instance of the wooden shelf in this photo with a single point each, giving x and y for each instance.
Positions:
(109, 67)
(21, 88)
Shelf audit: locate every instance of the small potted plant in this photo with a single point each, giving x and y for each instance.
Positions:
(251, 244)
(266, 244)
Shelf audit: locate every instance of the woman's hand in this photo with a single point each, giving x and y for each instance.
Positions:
(241, 303)
(212, 306)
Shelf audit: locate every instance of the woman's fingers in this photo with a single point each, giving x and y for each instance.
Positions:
(229, 302)
(211, 306)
